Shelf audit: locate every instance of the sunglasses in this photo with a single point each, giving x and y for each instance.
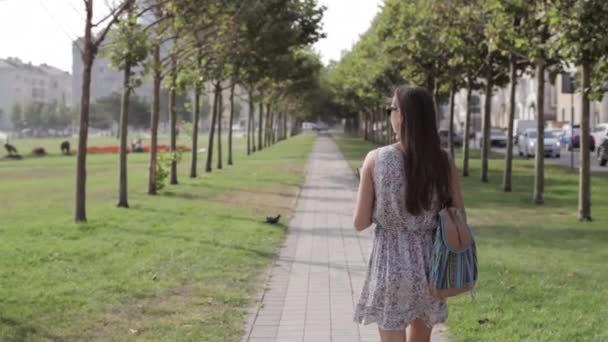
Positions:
(391, 109)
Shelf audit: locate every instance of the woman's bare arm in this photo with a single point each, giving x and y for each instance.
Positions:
(362, 217)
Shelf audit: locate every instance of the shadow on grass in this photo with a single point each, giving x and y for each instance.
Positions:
(191, 238)
(543, 237)
(24, 332)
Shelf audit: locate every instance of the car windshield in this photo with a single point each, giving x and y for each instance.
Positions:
(549, 135)
(531, 134)
(496, 131)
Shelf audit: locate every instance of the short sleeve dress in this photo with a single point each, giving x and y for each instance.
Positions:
(396, 289)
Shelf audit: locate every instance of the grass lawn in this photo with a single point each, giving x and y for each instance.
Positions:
(543, 275)
(183, 265)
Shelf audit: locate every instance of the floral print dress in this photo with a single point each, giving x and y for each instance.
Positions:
(396, 289)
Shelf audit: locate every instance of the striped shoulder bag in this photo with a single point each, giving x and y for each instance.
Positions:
(454, 258)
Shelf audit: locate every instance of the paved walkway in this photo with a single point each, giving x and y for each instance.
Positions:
(317, 278)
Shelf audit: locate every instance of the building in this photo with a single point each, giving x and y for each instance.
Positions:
(556, 113)
(566, 102)
(23, 83)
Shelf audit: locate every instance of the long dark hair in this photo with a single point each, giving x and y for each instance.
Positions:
(426, 164)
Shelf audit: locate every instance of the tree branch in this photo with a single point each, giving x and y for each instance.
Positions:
(97, 42)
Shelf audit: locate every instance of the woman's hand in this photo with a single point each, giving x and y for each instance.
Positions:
(362, 217)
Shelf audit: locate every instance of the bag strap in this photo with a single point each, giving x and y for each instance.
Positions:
(449, 200)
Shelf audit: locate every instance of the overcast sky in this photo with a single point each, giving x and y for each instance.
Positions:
(41, 31)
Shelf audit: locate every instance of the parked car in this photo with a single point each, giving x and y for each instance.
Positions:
(498, 138)
(456, 138)
(519, 126)
(600, 133)
(528, 140)
(575, 141)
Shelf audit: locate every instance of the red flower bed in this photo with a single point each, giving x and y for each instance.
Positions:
(146, 148)
(104, 149)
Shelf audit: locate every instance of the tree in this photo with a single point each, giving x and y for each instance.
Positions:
(214, 115)
(510, 31)
(230, 122)
(156, 62)
(220, 115)
(173, 118)
(17, 117)
(198, 88)
(89, 50)
(494, 70)
(580, 35)
(128, 49)
(469, 54)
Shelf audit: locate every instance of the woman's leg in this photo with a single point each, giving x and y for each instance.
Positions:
(392, 335)
(418, 332)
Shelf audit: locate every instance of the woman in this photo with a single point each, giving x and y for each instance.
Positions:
(402, 188)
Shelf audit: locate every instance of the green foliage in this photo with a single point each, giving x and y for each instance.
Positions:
(163, 167)
(128, 47)
(106, 111)
(580, 35)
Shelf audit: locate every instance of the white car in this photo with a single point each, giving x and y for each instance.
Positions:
(600, 133)
(527, 144)
(498, 138)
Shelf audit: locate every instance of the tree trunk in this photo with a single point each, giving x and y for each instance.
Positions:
(173, 118)
(387, 140)
(379, 129)
(285, 126)
(271, 138)
(584, 193)
(451, 120)
(220, 115)
(279, 132)
(212, 128)
(267, 127)
(231, 123)
(430, 85)
(195, 119)
(81, 172)
(539, 174)
(506, 183)
(486, 123)
(250, 137)
(124, 122)
(374, 132)
(154, 116)
(438, 115)
(467, 130)
(366, 129)
(260, 123)
(372, 135)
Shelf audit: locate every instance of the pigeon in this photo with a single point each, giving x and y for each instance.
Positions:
(273, 220)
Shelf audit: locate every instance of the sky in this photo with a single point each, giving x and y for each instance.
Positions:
(41, 31)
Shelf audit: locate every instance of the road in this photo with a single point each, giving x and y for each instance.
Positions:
(565, 159)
